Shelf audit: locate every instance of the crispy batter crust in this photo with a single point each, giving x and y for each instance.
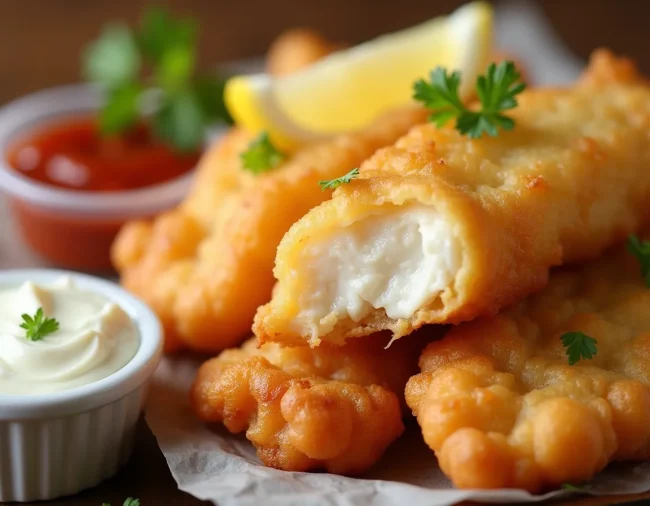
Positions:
(208, 264)
(570, 180)
(332, 408)
(501, 407)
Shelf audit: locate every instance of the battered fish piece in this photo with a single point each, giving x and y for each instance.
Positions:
(441, 228)
(501, 407)
(297, 48)
(206, 266)
(331, 408)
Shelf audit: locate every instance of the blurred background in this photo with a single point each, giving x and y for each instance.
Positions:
(41, 39)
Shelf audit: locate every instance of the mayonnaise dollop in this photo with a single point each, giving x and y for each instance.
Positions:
(95, 338)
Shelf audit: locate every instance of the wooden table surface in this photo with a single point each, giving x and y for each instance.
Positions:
(42, 39)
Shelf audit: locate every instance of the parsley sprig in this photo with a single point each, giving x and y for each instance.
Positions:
(160, 56)
(496, 91)
(261, 155)
(38, 326)
(641, 250)
(335, 183)
(579, 346)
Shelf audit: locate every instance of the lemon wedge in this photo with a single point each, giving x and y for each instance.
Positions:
(349, 89)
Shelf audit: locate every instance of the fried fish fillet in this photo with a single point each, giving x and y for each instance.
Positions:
(207, 265)
(501, 407)
(440, 228)
(332, 408)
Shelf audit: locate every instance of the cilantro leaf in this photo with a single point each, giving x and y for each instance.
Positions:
(38, 326)
(641, 250)
(579, 346)
(335, 183)
(113, 59)
(496, 90)
(121, 108)
(261, 155)
(159, 32)
(180, 121)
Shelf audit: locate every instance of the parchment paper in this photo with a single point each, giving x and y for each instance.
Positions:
(212, 464)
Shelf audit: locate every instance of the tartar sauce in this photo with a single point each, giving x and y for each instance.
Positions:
(95, 338)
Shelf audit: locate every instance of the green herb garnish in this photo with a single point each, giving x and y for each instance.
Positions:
(496, 91)
(641, 250)
(261, 155)
(579, 346)
(158, 59)
(130, 501)
(335, 183)
(38, 326)
(572, 488)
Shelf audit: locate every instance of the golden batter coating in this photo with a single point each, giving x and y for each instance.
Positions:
(501, 407)
(570, 180)
(331, 408)
(206, 266)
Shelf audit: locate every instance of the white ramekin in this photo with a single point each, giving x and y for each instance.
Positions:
(58, 444)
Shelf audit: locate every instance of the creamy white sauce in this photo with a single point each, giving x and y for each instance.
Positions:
(399, 262)
(95, 339)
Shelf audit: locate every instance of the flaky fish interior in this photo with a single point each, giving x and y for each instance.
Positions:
(206, 266)
(441, 228)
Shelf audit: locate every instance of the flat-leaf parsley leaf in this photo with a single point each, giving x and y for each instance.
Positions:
(38, 326)
(261, 155)
(496, 91)
(579, 346)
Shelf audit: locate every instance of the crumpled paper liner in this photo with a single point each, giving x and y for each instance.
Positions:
(212, 464)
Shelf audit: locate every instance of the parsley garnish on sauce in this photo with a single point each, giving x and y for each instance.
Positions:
(38, 326)
(335, 183)
(496, 91)
(579, 346)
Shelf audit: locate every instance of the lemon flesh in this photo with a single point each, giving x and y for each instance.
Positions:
(349, 89)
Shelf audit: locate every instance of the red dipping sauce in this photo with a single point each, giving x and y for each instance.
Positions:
(73, 156)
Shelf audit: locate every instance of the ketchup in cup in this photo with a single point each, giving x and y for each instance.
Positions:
(72, 188)
(72, 154)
